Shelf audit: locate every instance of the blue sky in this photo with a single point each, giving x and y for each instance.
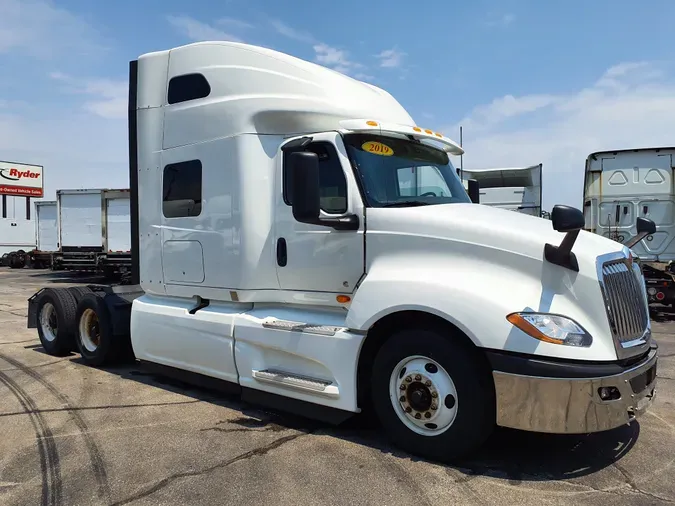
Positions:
(529, 81)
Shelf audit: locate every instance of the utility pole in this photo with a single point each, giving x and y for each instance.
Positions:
(461, 157)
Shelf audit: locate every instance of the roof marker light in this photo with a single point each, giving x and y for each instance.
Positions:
(371, 123)
(417, 129)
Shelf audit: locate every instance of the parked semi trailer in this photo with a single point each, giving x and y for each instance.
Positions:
(94, 230)
(282, 249)
(515, 188)
(623, 186)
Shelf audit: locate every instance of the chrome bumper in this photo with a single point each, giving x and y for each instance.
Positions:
(573, 405)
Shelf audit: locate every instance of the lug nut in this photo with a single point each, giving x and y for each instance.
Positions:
(402, 386)
(427, 415)
(427, 383)
(434, 406)
(417, 377)
(434, 394)
(402, 399)
(408, 409)
(408, 379)
(418, 416)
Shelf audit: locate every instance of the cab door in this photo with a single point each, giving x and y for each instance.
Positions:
(316, 258)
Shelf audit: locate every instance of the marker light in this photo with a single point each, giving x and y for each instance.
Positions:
(550, 328)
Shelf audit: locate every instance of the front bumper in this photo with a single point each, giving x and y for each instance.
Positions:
(561, 399)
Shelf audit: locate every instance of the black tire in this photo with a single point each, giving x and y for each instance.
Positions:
(107, 349)
(58, 338)
(475, 403)
(79, 291)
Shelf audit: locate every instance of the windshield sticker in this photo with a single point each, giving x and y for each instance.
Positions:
(377, 148)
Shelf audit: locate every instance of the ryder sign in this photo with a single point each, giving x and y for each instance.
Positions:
(21, 179)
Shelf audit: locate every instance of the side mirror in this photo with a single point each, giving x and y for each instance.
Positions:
(644, 227)
(304, 172)
(474, 191)
(567, 219)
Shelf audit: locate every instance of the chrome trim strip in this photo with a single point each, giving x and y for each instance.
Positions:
(571, 405)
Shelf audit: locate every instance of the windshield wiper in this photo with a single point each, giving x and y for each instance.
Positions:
(407, 203)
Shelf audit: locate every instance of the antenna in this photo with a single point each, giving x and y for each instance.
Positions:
(461, 157)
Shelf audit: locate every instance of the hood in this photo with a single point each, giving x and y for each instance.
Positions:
(486, 226)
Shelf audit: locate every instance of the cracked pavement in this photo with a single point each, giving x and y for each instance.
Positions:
(122, 436)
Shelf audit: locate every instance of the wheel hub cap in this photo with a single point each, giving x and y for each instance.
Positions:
(423, 395)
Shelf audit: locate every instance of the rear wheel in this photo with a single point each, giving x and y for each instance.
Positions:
(56, 318)
(95, 339)
(433, 395)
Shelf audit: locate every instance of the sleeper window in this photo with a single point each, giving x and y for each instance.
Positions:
(182, 189)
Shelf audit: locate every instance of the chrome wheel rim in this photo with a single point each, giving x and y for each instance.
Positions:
(423, 395)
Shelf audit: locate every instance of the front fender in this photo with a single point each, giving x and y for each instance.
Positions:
(477, 296)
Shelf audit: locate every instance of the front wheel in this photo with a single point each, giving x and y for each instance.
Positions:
(433, 394)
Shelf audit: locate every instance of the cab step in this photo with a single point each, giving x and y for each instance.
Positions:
(297, 382)
(309, 328)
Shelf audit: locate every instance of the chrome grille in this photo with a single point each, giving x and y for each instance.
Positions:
(625, 300)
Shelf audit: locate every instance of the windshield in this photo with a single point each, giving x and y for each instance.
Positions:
(398, 173)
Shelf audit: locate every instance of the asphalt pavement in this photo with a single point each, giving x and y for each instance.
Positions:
(76, 435)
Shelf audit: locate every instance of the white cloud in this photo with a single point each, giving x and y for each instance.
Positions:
(337, 59)
(109, 97)
(390, 58)
(40, 29)
(287, 31)
(237, 24)
(325, 54)
(631, 105)
(199, 31)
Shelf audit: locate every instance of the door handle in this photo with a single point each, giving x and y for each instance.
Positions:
(282, 252)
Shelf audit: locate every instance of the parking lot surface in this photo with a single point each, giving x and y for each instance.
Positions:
(75, 435)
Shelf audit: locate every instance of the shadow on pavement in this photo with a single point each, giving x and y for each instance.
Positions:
(510, 455)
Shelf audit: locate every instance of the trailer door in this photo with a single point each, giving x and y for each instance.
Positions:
(47, 236)
(118, 225)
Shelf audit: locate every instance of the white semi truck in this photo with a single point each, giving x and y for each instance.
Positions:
(282, 249)
(622, 186)
(514, 188)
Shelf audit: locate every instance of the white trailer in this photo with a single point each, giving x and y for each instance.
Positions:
(513, 188)
(282, 249)
(16, 225)
(622, 186)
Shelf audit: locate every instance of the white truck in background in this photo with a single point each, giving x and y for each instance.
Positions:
(284, 248)
(622, 186)
(514, 188)
(93, 230)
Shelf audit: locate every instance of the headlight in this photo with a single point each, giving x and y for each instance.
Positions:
(551, 328)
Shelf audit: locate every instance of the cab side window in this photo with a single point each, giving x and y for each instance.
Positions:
(332, 181)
